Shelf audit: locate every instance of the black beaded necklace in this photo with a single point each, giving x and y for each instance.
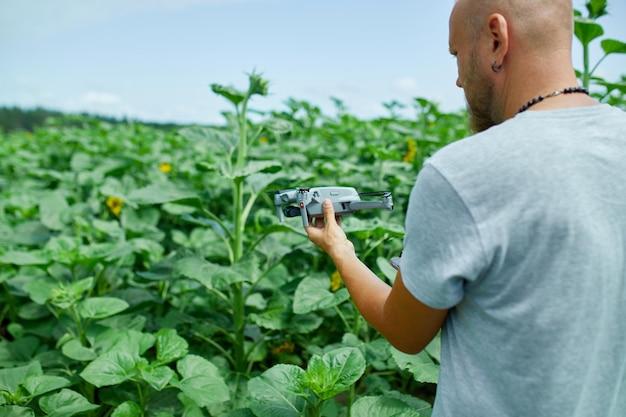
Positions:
(539, 99)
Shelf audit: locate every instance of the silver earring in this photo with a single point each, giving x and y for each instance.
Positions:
(494, 68)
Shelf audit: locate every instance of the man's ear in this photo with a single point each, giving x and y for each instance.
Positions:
(499, 33)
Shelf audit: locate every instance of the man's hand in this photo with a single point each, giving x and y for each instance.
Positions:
(328, 234)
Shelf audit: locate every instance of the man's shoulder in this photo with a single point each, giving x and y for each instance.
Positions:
(529, 132)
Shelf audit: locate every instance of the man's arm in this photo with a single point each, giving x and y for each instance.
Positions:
(408, 324)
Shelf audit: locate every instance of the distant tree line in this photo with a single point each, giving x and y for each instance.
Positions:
(16, 118)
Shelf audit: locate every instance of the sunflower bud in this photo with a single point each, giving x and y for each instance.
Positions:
(258, 85)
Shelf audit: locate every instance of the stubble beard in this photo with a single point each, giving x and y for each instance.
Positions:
(479, 96)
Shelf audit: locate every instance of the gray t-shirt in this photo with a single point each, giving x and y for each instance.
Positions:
(521, 231)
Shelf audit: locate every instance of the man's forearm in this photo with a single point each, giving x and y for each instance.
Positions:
(367, 290)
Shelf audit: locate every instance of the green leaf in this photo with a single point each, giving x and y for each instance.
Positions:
(18, 352)
(230, 93)
(373, 227)
(170, 346)
(127, 409)
(417, 404)
(41, 384)
(40, 290)
(65, 404)
(201, 381)
(613, 46)
(253, 167)
(423, 368)
(276, 315)
(165, 192)
(24, 258)
(434, 348)
(101, 307)
(63, 249)
(596, 8)
(111, 368)
(211, 275)
(305, 323)
(51, 209)
(130, 341)
(278, 126)
(11, 378)
(81, 162)
(75, 350)
(382, 406)
(30, 234)
(157, 376)
(313, 293)
(16, 411)
(388, 271)
(586, 30)
(213, 138)
(335, 372)
(279, 392)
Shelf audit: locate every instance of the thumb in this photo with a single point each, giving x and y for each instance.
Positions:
(329, 211)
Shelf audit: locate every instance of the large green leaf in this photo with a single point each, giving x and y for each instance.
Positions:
(131, 341)
(201, 381)
(275, 316)
(24, 258)
(157, 376)
(586, 30)
(215, 276)
(65, 403)
(252, 167)
(101, 307)
(52, 207)
(335, 371)
(111, 368)
(127, 409)
(313, 293)
(423, 368)
(170, 346)
(382, 406)
(75, 350)
(17, 352)
(16, 411)
(278, 126)
(160, 193)
(41, 384)
(40, 290)
(11, 378)
(32, 233)
(613, 46)
(230, 93)
(213, 138)
(279, 392)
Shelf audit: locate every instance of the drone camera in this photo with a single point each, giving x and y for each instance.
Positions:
(346, 200)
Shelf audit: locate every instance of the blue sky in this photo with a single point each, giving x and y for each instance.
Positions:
(154, 59)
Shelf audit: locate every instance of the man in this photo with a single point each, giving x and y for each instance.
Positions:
(515, 237)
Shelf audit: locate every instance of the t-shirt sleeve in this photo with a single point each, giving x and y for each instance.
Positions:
(442, 247)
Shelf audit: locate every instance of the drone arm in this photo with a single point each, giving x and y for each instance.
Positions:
(304, 215)
(362, 205)
(279, 210)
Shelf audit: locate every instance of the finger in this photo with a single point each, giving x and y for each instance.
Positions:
(329, 212)
(319, 222)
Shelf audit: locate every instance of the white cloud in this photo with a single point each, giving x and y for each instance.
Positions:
(96, 97)
(405, 86)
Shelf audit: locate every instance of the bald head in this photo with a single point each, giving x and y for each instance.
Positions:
(509, 51)
(538, 25)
